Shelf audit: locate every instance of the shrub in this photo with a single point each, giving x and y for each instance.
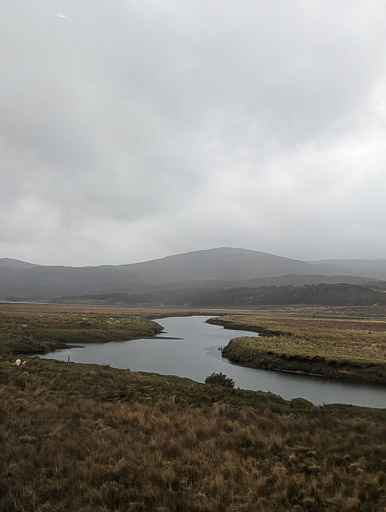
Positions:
(220, 379)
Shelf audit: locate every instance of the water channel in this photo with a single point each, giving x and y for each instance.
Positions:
(195, 354)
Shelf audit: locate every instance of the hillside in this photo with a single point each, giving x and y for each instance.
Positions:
(95, 439)
(315, 294)
(373, 268)
(17, 264)
(208, 269)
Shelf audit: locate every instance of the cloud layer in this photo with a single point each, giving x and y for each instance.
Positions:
(133, 130)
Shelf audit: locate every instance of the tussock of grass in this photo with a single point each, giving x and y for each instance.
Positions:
(89, 438)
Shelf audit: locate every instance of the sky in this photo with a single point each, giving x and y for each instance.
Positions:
(136, 129)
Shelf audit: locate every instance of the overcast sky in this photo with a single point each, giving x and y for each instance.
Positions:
(132, 130)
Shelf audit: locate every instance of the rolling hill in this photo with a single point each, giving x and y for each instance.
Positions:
(207, 269)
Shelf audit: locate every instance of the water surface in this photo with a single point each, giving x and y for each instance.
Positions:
(196, 355)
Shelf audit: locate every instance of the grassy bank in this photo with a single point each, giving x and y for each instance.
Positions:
(350, 345)
(29, 329)
(92, 438)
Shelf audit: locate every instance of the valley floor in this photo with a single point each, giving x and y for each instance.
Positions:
(93, 438)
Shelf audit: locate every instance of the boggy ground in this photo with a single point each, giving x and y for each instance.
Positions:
(32, 328)
(342, 343)
(92, 438)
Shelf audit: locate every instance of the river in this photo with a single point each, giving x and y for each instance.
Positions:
(196, 355)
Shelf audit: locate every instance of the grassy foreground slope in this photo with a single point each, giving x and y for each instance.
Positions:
(92, 438)
(341, 343)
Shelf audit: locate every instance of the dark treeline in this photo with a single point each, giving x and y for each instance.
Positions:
(319, 294)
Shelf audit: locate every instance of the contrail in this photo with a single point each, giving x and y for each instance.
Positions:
(62, 16)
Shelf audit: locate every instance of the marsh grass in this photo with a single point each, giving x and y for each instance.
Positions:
(349, 348)
(28, 329)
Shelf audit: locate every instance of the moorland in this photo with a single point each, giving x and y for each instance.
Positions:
(94, 438)
(346, 343)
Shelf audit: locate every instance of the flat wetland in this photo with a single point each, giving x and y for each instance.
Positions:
(28, 329)
(346, 343)
(94, 438)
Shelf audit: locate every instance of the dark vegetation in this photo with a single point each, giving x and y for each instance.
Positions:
(342, 348)
(219, 379)
(92, 438)
(314, 294)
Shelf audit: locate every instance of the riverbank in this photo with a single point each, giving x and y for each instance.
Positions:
(349, 349)
(93, 438)
(27, 329)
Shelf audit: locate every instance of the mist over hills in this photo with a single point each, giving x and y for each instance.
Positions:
(371, 268)
(207, 269)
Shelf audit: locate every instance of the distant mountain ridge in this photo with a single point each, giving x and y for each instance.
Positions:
(10, 263)
(214, 268)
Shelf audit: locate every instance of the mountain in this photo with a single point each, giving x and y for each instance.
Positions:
(10, 263)
(215, 268)
(372, 268)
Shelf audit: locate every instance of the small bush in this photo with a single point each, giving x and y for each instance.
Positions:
(220, 379)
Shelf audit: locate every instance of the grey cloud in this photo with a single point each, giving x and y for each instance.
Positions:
(137, 129)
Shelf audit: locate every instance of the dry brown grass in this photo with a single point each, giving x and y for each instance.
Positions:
(78, 454)
(155, 449)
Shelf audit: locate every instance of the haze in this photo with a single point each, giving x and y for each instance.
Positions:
(133, 130)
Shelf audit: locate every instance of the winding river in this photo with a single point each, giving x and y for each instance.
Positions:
(195, 354)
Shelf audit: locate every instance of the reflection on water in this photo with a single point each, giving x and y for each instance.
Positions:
(197, 355)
